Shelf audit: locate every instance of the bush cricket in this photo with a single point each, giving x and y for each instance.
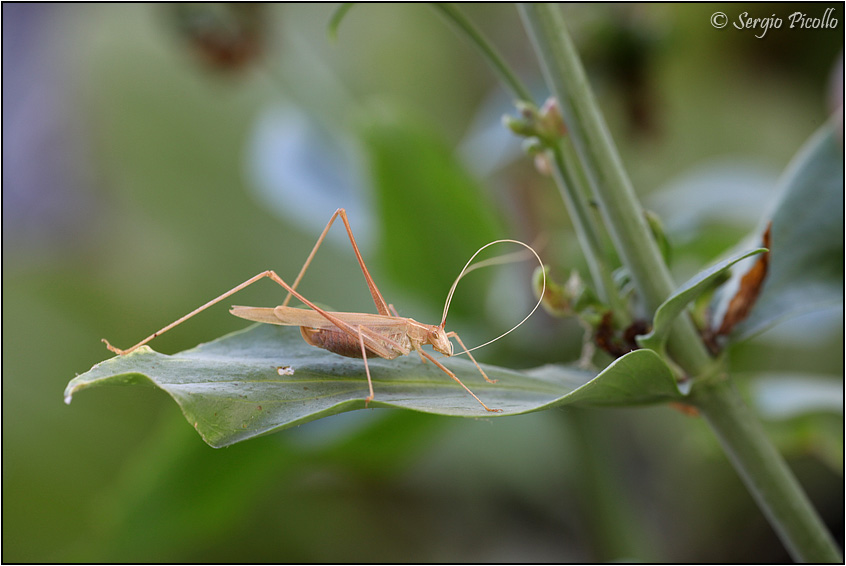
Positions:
(357, 335)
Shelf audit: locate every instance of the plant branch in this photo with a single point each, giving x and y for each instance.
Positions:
(569, 177)
(765, 473)
(759, 464)
(566, 169)
(487, 50)
(610, 183)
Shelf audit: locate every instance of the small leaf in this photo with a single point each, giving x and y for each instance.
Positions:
(572, 298)
(231, 389)
(670, 309)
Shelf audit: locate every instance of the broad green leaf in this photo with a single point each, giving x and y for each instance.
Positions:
(670, 309)
(806, 251)
(237, 386)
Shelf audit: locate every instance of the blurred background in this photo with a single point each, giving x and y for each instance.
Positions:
(157, 155)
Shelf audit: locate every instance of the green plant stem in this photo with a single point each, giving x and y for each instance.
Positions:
(569, 177)
(566, 168)
(335, 20)
(756, 460)
(765, 473)
(610, 183)
(488, 52)
(611, 515)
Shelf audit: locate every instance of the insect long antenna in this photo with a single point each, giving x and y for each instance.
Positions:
(485, 263)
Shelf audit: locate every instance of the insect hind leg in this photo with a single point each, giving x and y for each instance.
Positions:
(378, 300)
(198, 310)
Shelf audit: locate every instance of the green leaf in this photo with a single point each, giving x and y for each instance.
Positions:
(638, 378)
(670, 309)
(231, 389)
(806, 261)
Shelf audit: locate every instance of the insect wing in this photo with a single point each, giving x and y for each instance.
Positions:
(316, 320)
(258, 314)
(292, 316)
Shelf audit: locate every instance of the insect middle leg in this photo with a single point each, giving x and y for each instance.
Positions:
(366, 366)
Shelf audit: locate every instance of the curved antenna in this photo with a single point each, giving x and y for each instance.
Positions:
(494, 261)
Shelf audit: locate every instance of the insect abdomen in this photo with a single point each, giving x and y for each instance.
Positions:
(335, 341)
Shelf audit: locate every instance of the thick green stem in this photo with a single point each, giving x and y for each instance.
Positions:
(602, 165)
(765, 473)
(756, 460)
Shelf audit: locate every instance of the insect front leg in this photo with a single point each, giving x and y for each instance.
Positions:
(466, 351)
(455, 377)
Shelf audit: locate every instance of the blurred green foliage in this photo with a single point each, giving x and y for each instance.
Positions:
(150, 211)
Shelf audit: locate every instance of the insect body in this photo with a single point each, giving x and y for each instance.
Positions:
(357, 335)
(393, 336)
